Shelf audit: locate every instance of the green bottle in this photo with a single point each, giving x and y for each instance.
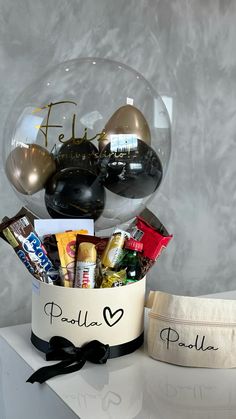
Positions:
(131, 260)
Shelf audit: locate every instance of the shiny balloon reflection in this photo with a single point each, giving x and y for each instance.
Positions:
(74, 193)
(28, 167)
(131, 170)
(126, 120)
(82, 155)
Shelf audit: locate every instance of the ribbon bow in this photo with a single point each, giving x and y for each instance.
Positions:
(72, 358)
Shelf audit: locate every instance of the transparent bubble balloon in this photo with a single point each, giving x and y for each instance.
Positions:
(90, 139)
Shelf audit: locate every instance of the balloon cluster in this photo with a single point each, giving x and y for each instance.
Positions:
(89, 139)
(76, 174)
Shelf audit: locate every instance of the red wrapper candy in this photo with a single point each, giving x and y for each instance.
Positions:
(153, 241)
(148, 230)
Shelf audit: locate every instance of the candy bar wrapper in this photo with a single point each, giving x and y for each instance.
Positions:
(85, 265)
(100, 242)
(147, 229)
(113, 279)
(29, 214)
(21, 235)
(100, 245)
(21, 213)
(50, 244)
(66, 244)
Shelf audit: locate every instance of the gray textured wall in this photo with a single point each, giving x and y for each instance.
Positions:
(186, 49)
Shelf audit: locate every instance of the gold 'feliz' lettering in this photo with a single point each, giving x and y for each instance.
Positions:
(44, 128)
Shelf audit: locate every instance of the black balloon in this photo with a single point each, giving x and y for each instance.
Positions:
(132, 171)
(83, 155)
(74, 193)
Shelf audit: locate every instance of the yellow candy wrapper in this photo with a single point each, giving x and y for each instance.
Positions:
(66, 243)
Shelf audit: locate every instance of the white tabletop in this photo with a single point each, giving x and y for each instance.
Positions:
(132, 386)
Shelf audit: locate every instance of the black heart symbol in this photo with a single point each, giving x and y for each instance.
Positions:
(110, 398)
(108, 315)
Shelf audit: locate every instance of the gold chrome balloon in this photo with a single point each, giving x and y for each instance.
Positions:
(126, 120)
(28, 167)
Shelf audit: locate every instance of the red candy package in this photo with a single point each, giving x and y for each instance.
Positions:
(148, 230)
(153, 241)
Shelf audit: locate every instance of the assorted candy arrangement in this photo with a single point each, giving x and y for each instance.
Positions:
(88, 145)
(77, 259)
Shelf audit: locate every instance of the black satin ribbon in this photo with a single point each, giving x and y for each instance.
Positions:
(114, 351)
(72, 358)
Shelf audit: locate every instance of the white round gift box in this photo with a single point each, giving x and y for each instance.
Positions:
(114, 316)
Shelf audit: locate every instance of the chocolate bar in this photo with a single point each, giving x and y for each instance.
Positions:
(21, 235)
